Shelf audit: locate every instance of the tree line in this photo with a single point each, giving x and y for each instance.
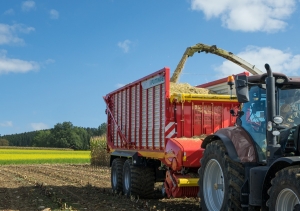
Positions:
(62, 135)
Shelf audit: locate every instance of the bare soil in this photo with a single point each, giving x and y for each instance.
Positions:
(72, 187)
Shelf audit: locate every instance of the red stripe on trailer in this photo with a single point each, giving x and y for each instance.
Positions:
(170, 130)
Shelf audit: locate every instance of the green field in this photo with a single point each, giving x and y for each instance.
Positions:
(39, 156)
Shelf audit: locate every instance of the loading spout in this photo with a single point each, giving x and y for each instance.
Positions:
(200, 47)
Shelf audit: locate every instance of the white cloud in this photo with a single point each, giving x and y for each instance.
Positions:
(39, 126)
(279, 61)
(8, 33)
(248, 15)
(124, 45)
(54, 14)
(120, 85)
(8, 65)
(6, 124)
(28, 5)
(9, 12)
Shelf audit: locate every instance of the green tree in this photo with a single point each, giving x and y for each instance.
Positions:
(83, 136)
(66, 135)
(102, 129)
(4, 142)
(42, 139)
(62, 135)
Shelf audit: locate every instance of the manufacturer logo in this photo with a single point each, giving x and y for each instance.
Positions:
(153, 82)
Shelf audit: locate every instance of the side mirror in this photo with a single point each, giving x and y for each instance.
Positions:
(241, 86)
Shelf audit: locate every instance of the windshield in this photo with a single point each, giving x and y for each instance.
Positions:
(254, 118)
(289, 107)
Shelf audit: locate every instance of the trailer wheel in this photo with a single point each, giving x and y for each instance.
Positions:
(138, 181)
(117, 175)
(285, 190)
(220, 179)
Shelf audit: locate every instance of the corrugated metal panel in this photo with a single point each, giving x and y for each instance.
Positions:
(119, 119)
(150, 117)
(123, 107)
(138, 109)
(157, 117)
(116, 116)
(133, 115)
(144, 117)
(163, 116)
(127, 118)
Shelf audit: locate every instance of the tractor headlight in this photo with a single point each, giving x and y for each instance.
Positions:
(276, 133)
(280, 80)
(278, 119)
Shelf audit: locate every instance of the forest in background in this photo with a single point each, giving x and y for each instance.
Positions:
(63, 135)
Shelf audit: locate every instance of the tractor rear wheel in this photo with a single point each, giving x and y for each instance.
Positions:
(285, 190)
(117, 175)
(220, 179)
(138, 181)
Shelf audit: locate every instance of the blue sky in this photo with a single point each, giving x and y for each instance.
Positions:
(58, 58)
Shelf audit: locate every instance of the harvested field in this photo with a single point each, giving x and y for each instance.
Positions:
(72, 187)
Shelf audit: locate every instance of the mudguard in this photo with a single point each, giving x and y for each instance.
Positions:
(239, 144)
(126, 154)
(226, 141)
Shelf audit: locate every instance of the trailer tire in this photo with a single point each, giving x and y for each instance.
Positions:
(117, 175)
(220, 179)
(285, 190)
(138, 181)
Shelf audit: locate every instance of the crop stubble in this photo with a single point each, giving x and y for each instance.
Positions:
(72, 187)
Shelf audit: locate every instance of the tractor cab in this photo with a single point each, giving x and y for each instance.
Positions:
(267, 128)
(285, 115)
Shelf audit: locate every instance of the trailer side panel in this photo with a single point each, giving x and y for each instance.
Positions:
(137, 113)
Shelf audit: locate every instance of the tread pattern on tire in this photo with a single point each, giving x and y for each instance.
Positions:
(142, 181)
(286, 176)
(233, 175)
(118, 164)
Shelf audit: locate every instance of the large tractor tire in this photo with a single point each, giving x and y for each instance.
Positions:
(220, 179)
(138, 181)
(117, 175)
(285, 190)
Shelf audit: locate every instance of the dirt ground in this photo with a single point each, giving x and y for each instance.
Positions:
(72, 187)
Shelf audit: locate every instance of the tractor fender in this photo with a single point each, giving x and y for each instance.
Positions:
(238, 142)
(278, 164)
(226, 141)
